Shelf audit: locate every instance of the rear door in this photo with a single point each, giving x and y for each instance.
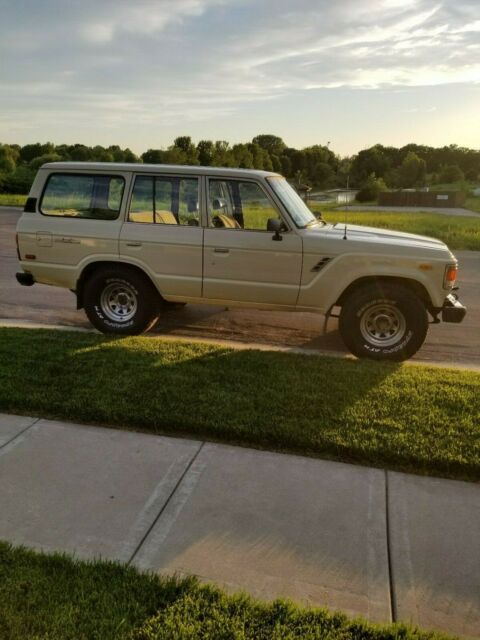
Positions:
(242, 260)
(163, 232)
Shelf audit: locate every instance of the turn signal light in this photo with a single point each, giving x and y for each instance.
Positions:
(450, 278)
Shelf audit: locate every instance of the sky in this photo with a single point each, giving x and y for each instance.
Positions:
(138, 73)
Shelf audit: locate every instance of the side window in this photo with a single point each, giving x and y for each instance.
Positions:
(82, 196)
(237, 204)
(256, 206)
(165, 200)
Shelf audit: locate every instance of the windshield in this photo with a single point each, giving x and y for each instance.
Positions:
(301, 214)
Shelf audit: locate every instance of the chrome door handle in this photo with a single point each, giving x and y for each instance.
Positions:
(221, 250)
(70, 240)
(134, 244)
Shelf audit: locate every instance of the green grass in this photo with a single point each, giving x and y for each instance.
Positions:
(53, 597)
(473, 203)
(403, 417)
(12, 200)
(458, 232)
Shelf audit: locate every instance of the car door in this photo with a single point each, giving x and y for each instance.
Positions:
(242, 259)
(163, 234)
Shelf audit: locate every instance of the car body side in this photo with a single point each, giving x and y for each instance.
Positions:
(332, 259)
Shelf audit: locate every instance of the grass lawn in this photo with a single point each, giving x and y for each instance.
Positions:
(12, 200)
(413, 418)
(458, 232)
(53, 597)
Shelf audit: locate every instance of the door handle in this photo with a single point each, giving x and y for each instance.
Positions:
(69, 240)
(221, 250)
(134, 244)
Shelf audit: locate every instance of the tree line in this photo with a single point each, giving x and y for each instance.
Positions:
(377, 168)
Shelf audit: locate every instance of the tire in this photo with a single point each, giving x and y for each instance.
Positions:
(120, 301)
(383, 322)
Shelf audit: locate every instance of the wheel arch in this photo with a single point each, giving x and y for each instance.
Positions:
(92, 267)
(416, 287)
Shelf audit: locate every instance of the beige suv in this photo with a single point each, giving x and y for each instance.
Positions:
(128, 239)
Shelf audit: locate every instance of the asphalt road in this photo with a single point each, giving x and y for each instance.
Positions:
(446, 343)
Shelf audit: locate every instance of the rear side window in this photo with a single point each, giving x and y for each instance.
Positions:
(82, 196)
(165, 200)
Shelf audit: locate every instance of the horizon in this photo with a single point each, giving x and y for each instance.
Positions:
(351, 74)
(195, 142)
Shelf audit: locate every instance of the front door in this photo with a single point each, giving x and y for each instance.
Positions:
(163, 232)
(242, 261)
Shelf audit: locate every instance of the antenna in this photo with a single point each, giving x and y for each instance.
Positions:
(346, 208)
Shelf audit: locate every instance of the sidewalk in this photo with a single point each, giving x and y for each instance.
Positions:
(385, 545)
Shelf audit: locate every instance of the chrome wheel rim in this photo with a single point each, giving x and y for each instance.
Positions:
(383, 325)
(119, 302)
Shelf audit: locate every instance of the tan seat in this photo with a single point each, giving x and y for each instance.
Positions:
(140, 216)
(229, 223)
(165, 217)
(161, 217)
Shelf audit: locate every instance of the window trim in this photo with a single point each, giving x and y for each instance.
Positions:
(196, 177)
(248, 180)
(82, 174)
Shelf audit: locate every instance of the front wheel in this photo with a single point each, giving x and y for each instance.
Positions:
(120, 301)
(383, 322)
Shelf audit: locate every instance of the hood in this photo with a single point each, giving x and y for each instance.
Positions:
(385, 236)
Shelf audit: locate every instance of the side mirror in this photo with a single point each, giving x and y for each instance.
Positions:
(277, 226)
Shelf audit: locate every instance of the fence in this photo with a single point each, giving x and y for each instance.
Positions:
(421, 198)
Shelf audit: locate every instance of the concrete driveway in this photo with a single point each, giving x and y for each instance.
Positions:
(385, 545)
(446, 343)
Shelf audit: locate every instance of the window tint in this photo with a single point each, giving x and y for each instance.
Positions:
(165, 200)
(237, 204)
(83, 196)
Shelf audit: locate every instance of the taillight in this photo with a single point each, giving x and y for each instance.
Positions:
(450, 276)
(18, 250)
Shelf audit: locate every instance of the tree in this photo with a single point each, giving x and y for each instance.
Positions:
(411, 172)
(323, 175)
(153, 156)
(286, 166)
(242, 156)
(451, 173)
(8, 158)
(186, 146)
(273, 145)
(31, 151)
(222, 156)
(205, 152)
(368, 161)
(36, 163)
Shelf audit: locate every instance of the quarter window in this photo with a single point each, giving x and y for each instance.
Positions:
(82, 196)
(165, 200)
(235, 204)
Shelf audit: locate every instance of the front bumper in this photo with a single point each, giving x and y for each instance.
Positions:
(453, 310)
(25, 278)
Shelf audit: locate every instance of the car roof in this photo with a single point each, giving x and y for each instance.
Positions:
(164, 168)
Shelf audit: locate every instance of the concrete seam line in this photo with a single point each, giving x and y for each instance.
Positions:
(165, 504)
(18, 435)
(391, 579)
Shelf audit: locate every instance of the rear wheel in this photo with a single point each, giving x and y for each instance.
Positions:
(383, 322)
(120, 301)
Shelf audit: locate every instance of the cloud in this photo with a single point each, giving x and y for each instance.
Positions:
(168, 61)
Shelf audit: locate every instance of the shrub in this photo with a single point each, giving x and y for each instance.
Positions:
(371, 189)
